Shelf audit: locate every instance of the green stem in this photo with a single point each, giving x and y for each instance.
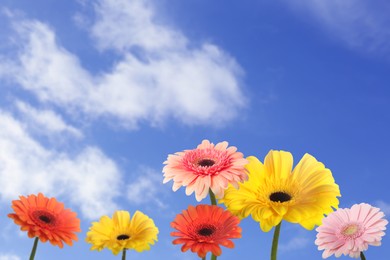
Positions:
(124, 254)
(203, 258)
(213, 202)
(275, 241)
(362, 257)
(34, 249)
(212, 197)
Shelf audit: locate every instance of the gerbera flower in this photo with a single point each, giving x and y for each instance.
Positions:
(351, 231)
(46, 219)
(274, 191)
(206, 167)
(122, 232)
(204, 228)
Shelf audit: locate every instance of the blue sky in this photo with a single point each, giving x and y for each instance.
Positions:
(96, 94)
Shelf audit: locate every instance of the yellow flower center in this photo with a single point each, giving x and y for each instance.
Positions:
(350, 230)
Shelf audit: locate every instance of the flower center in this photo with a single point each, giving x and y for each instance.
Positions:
(122, 237)
(43, 217)
(351, 230)
(206, 231)
(279, 196)
(206, 162)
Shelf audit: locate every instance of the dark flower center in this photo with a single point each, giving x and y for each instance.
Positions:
(280, 197)
(122, 237)
(206, 163)
(45, 219)
(42, 217)
(206, 231)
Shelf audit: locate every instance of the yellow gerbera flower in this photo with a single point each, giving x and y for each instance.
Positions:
(274, 191)
(121, 232)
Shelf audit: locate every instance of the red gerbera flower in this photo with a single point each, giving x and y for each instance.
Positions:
(46, 219)
(204, 228)
(206, 167)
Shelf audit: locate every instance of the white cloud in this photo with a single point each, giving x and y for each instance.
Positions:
(88, 179)
(385, 207)
(9, 257)
(147, 188)
(123, 24)
(46, 68)
(296, 243)
(158, 75)
(46, 121)
(362, 25)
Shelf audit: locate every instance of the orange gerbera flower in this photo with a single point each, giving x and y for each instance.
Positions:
(204, 227)
(45, 218)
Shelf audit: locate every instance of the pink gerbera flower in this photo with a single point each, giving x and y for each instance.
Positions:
(351, 231)
(206, 167)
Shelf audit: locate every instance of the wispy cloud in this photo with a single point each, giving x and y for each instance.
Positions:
(361, 25)
(158, 75)
(384, 206)
(9, 257)
(147, 188)
(46, 121)
(28, 167)
(296, 243)
(125, 24)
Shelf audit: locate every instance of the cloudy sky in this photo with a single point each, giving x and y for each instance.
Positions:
(96, 93)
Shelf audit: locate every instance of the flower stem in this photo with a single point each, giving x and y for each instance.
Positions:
(213, 202)
(124, 254)
(34, 249)
(203, 258)
(362, 257)
(275, 241)
(212, 197)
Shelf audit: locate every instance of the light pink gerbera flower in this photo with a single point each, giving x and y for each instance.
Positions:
(351, 231)
(206, 167)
